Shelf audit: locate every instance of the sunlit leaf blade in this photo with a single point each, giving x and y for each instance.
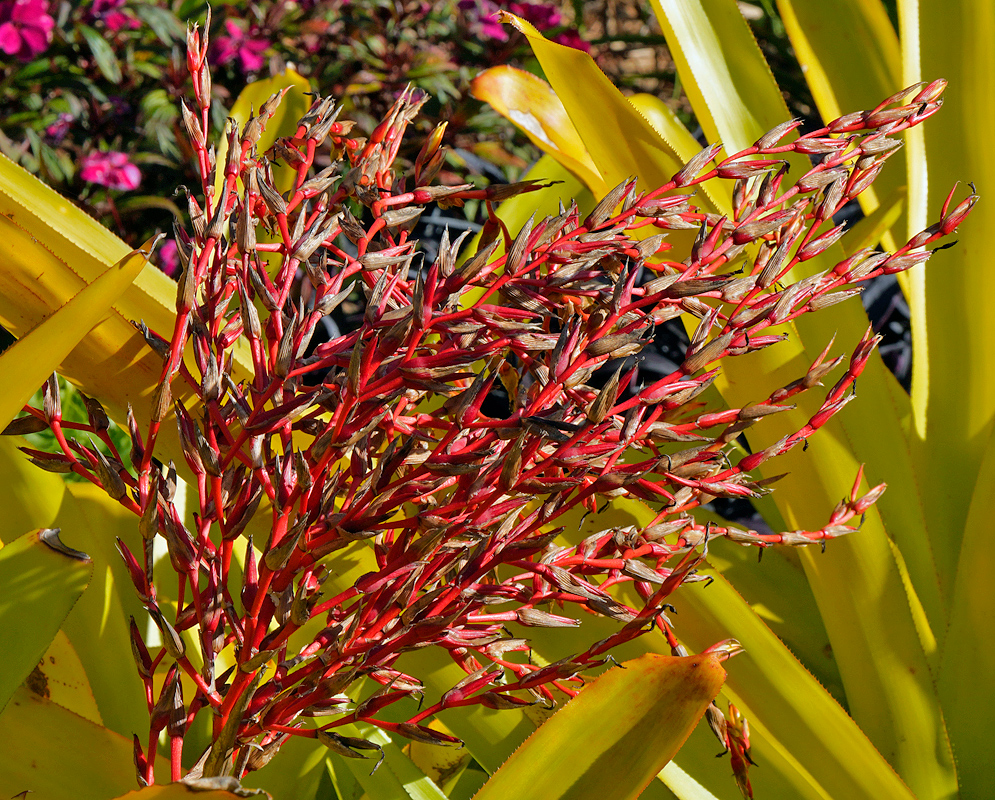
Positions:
(874, 228)
(58, 755)
(98, 624)
(30, 497)
(33, 357)
(62, 679)
(683, 785)
(966, 691)
(722, 70)
(904, 730)
(295, 772)
(778, 593)
(850, 77)
(805, 735)
(50, 250)
(527, 100)
(627, 145)
(397, 777)
(40, 581)
(613, 738)
(953, 378)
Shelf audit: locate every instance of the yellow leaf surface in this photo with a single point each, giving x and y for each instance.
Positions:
(615, 736)
(34, 356)
(527, 101)
(40, 581)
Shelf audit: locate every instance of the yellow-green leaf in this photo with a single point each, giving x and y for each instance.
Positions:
(61, 678)
(29, 496)
(849, 54)
(904, 723)
(953, 371)
(49, 251)
(33, 357)
(397, 778)
(626, 145)
(40, 581)
(966, 691)
(615, 736)
(874, 228)
(527, 100)
(722, 70)
(58, 755)
(98, 624)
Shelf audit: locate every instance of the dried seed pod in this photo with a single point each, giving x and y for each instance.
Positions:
(605, 399)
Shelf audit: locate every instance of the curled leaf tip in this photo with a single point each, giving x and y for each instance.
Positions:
(50, 537)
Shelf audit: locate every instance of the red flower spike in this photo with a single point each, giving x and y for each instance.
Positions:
(459, 509)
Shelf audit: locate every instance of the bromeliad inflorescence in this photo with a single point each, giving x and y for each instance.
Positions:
(374, 445)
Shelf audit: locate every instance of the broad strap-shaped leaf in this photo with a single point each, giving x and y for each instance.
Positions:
(33, 357)
(615, 736)
(40, 581)
(29, 496)
(397, 778)
(297, 771)
(857, 76)
(805, 740)
(99, 623)
(527, 100)
(683, 785)
(627, 145)
(967, 692)
(58, 755)
(50, 250)
(61, 678)
(953, 371)
(904, 730)
(722, 70)
(874, 228)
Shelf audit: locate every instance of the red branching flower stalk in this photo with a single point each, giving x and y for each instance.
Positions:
(377, 440)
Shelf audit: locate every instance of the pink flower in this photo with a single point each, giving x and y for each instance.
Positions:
(112, 14)
(571, 38)
(112, 169)
(484, 21)
(169, 258)
(57, 131)
(539, 14)
(238, 44)
(25, 28)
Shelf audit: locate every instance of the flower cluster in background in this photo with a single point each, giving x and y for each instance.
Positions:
(483, 16)
(112, 169)
(89, 92)
(102, 123)
(25, 28)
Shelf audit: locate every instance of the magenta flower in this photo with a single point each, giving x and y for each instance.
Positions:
(484, 22)
(25, 28)
(482, 15)
(539, 14)
(240, 45)
(57, 131)
(571, 38)
(112, 169)
(169, 258)
(113, 15)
